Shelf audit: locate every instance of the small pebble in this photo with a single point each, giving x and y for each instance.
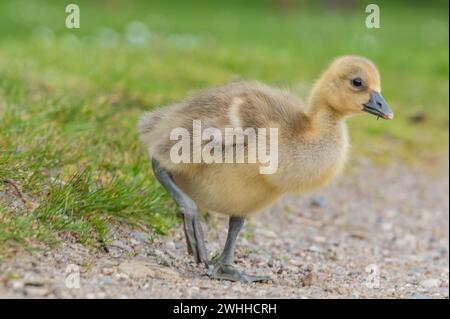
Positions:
(170, 245)
(319, 201)
(430, 283)
(108, 281)
(139, 236)
(120, 244)
(315, 249)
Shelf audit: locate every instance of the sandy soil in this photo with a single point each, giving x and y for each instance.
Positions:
(376, 232)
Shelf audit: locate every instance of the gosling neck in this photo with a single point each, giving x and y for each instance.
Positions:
(323, 116)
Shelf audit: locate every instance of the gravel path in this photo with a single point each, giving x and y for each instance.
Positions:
(376, 232)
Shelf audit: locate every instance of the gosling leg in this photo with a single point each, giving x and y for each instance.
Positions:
(223, 268)
(188, 210)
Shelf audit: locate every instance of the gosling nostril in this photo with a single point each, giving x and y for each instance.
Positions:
(379, 104)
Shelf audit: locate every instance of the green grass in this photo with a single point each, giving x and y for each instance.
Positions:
(70, 99)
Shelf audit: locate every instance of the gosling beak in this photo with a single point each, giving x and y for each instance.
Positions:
(378, 106)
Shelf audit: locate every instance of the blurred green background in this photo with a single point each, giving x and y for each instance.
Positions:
(70, 98)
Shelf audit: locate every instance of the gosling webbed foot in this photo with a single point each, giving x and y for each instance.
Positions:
(194, 236)
(222, 271)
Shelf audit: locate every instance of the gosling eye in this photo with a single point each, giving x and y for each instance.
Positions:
(357, 82)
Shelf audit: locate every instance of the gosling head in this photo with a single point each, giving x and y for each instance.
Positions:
(351, 86)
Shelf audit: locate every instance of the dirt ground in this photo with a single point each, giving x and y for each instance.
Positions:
(374, 233)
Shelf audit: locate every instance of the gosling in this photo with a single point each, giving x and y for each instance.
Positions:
(312, 148)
